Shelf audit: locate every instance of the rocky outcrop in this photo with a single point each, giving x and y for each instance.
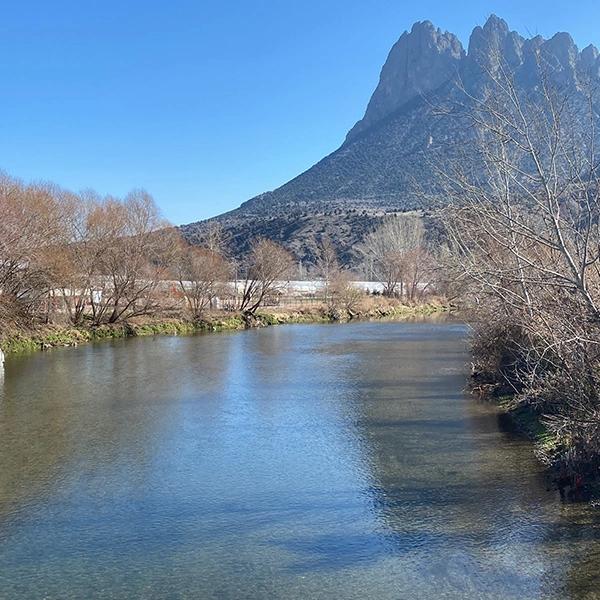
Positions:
(420, 62)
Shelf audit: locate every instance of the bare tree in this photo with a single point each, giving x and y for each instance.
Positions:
(76, 263)
(524, 223)
(419, 269)
(396, 249)
(132, 265)
(215, 238)
(30, 228)
(268, 266)
(328, 266)
(344, 297)
(202, 274)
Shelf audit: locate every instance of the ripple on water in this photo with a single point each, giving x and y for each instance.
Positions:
(292, 462)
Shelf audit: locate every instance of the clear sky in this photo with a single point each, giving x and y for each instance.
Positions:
(207, 104)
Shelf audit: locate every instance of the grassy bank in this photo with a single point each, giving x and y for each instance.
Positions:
(524, 420)
(53, 336)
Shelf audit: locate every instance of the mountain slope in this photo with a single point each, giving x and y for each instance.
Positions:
(388, 155)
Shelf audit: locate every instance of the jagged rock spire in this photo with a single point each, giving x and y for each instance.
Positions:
(403, 133)
(425, 59)
(420, 61)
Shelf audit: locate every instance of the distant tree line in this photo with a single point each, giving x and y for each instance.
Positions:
(98, 260)
(90, 260)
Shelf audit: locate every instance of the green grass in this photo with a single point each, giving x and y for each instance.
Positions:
(529, 423)
(21, 342)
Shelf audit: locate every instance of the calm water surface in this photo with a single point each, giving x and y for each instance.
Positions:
(295, 462)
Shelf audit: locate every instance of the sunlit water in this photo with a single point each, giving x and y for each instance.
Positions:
(293, 462)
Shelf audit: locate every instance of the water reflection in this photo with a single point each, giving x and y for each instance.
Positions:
(293, 462)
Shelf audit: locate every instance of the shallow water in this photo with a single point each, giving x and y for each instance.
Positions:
(290, 462)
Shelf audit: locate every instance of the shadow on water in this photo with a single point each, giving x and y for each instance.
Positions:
(293, 462)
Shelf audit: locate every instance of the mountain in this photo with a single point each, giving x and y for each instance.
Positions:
(402, 133)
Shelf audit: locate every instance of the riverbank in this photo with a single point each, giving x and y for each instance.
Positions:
(52, 336)
(526, 422)
(523, 420)
(242, 441)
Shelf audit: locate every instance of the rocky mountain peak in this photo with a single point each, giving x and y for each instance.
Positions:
(419, 62)
(489, 46)
(589, 55)
(495, 24)
(373, 173)
(561, 55)
(589, 61)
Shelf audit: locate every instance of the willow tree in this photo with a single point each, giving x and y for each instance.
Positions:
(31, 228)
(203, 275)
(131, 246)
(267, 270)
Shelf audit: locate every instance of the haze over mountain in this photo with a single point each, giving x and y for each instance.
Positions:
(401, 134)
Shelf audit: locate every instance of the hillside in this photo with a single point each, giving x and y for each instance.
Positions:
(410, 124)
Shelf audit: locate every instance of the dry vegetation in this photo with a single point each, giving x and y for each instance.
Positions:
(84, 261)
(525, 231)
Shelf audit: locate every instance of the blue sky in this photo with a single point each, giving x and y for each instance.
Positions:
(207, 104)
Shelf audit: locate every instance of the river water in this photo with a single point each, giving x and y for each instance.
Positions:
(293, 462)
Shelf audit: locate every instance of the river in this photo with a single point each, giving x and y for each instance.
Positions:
(293, 462)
